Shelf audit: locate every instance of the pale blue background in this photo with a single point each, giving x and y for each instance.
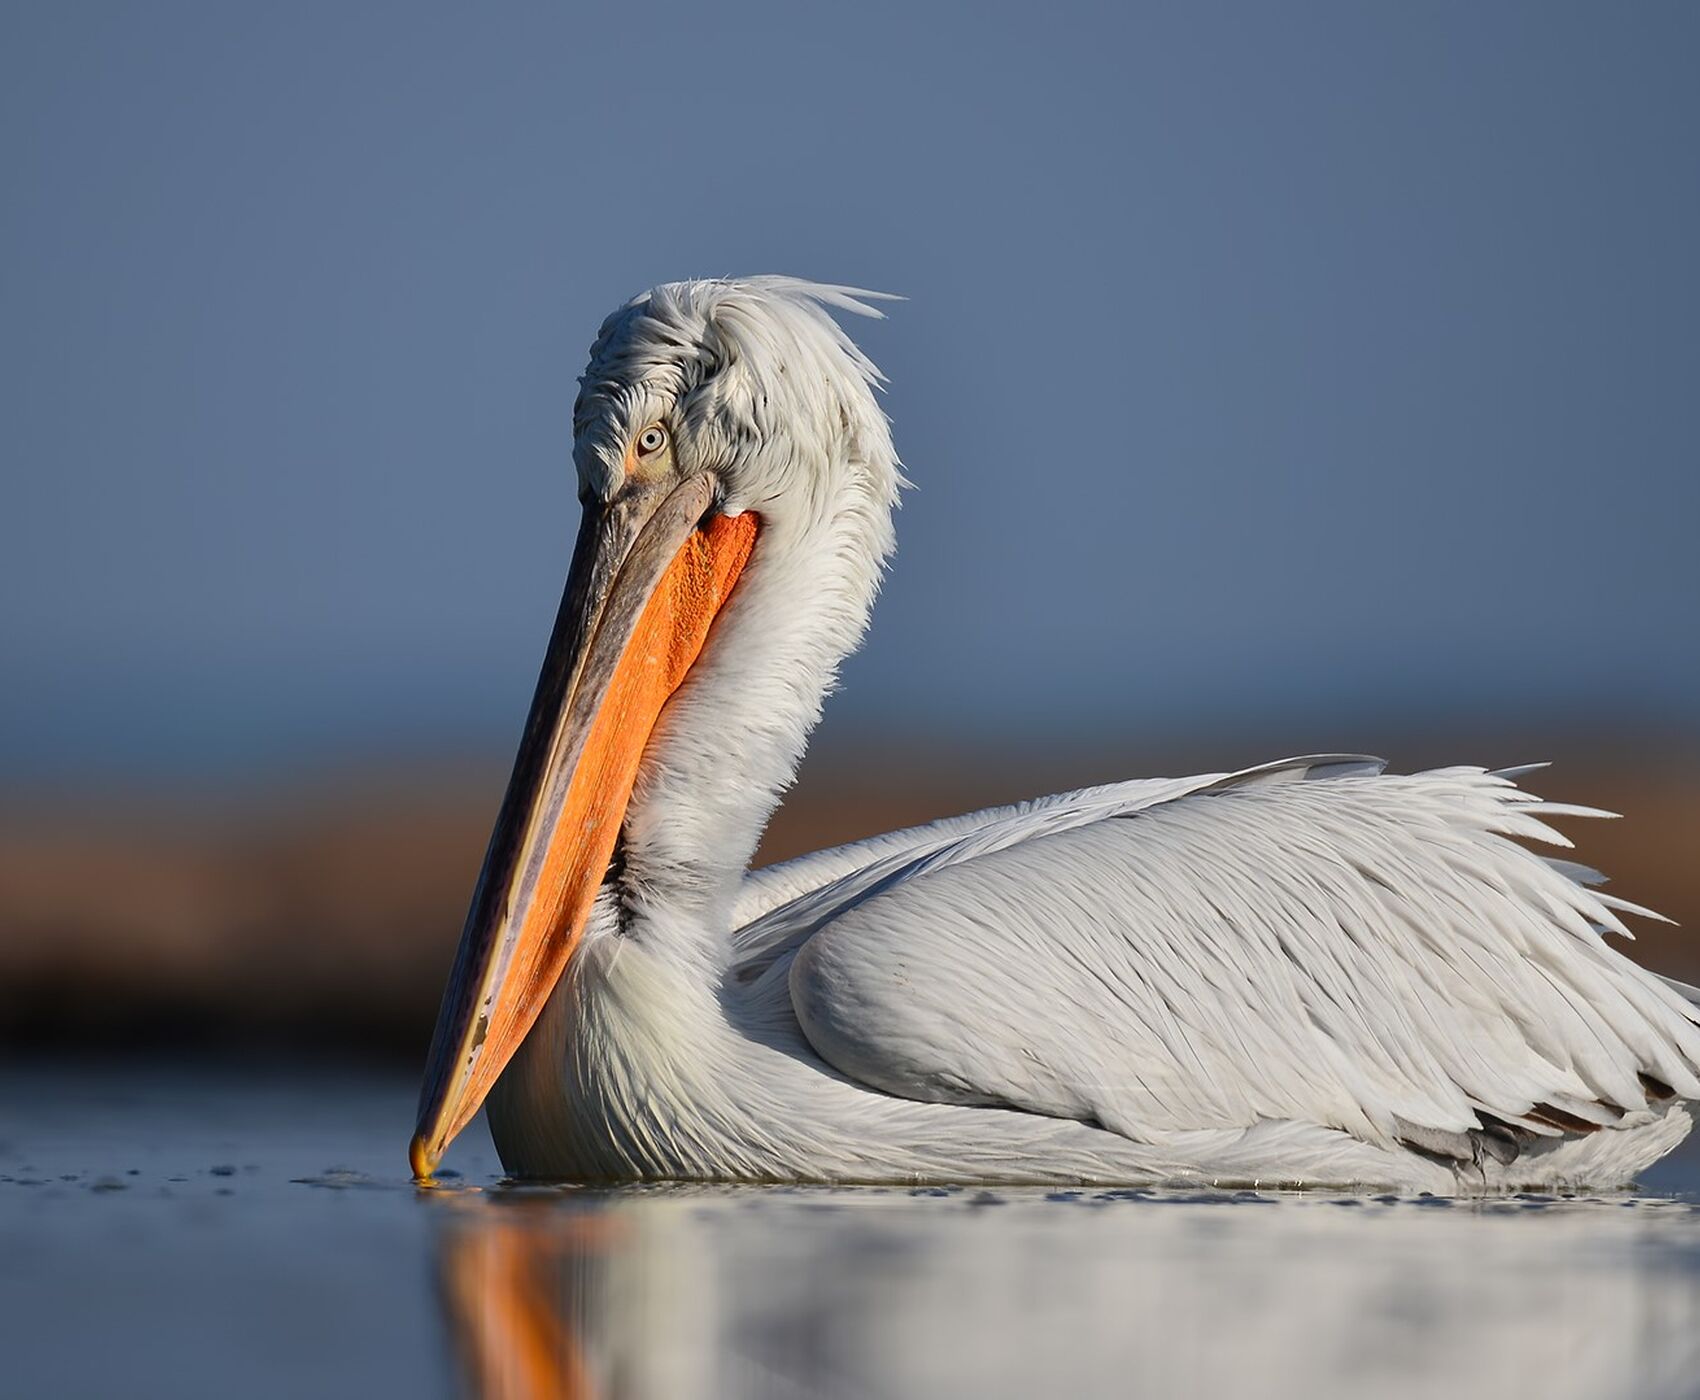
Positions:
(1265, 366)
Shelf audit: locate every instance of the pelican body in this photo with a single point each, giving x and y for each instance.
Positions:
(1309, 973)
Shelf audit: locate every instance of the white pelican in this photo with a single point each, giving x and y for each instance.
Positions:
(1306, 973)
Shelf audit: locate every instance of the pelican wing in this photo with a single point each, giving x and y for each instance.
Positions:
(1377, 954)
(779, 906)
(859, 864)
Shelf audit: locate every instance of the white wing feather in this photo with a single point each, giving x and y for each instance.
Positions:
(779, 905)
(1370, 953)
(776, 887)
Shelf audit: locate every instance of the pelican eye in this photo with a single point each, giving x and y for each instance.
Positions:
(651, 440)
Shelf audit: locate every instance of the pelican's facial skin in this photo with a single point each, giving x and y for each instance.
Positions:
(701, 422)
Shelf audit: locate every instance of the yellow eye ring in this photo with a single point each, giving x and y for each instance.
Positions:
(651, 440)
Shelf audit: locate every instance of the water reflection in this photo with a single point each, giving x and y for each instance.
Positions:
(220, 1236)
(510, 1290)
(856, 1293)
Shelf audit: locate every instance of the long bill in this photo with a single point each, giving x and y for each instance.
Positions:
(649, 574)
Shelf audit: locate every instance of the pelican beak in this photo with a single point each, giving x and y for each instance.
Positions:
(650, 572)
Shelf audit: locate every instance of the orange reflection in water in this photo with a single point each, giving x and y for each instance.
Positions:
(511, 1279)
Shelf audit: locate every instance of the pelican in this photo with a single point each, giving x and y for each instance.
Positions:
(1308, 973)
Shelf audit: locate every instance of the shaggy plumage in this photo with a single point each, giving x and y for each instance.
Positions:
(1306, 973)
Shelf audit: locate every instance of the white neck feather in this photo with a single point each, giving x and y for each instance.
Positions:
(730, 740)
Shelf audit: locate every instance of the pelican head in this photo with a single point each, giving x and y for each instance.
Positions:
(736, 478)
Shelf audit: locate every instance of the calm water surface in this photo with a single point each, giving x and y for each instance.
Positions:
(190, 1234)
